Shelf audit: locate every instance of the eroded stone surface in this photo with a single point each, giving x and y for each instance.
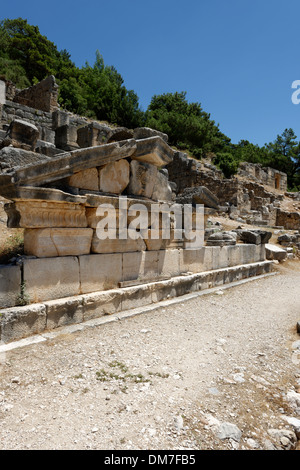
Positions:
(142, 179)
(52, 242)
(45, 214)
(114, 177)
(85, 179)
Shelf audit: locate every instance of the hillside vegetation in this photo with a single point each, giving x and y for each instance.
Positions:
(97, 91)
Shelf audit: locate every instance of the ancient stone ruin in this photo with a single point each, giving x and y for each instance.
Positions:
(57, 169)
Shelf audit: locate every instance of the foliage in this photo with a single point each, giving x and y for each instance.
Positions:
(97, 91)
(186, 124)
(12, 247)
(227, 163)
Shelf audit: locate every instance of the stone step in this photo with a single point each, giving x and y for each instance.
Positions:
(20, 322)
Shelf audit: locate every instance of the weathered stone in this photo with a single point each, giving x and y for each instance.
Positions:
(153, 150)
(45, 214)
(286, 239)
(51, 278)
(21, 134)
(140, 266)
(10, 285)
(97, 304)
(119, 133)
(117, 245)
(156, 244)
(66, 137)
(229, 431)
(114, 177)
(41, 96)
(11, 158)
(64, 165)
(93, 134)
(51, 242)
(64, 312)
(198, 195)
(221, 239)
(145, 132)
(257, 237)
(19, 322)
(142, 179)
(100, 272)
(169, 263)
(85, 179)
(273, 252)
(162, 190)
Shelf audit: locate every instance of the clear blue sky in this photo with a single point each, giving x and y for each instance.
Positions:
(238, 58)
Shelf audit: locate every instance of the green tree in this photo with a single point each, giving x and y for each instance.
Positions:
(186, 124)
(26, 45)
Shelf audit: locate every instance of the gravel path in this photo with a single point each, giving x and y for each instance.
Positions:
(209, 373)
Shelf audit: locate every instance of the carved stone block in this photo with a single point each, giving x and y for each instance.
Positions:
(53, 242)
(42, 214)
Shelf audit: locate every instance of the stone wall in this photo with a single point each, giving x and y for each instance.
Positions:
(38, 280)
(188, 173)
(42, 96)
(266, 176)
(288, 220)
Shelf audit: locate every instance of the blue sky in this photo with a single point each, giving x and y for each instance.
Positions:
(238, 58)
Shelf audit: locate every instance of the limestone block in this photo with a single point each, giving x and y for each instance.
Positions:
(234, 255)
(168, 263)
(273, 252)
(192, 260)
(153, 150)
(66, 137)
(110, 215)
(10, 285)
(119, 133)
(51, 242)
(92, 134)
(64, 165)
(145, 132)
(136, 296)
(142, 179)
(64, 312)
(22, 134)
(51, 278)
(153, 244)
(20, 322)
(116, 245)
(162, 190)
(11, 157)
(199, 195)
(256, 237)
(248, 253)
(221, 239)
(114, 177)
(97, 304)
(100, 272)
(85, 179)
(45, 214)
(141, 266)
(164, 290)
(200, 259)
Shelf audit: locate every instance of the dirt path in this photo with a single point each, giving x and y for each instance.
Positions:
(168, 379)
